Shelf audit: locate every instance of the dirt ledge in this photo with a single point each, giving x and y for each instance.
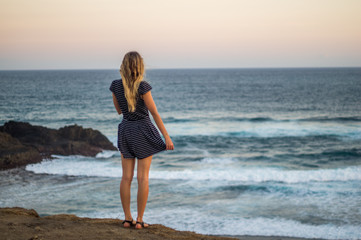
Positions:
(20, 223)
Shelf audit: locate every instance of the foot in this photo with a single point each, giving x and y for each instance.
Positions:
(140, 224)
(128, 223)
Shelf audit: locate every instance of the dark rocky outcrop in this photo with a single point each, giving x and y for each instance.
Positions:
(13, 153)
(22, 143)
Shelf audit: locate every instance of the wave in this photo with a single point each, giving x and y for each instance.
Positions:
(77, 165)
(243, 188)
(90, 167)
(326, 156)
(202, 119)
(265, 119)
(178, 120)
(218, 160)
(266, 129)
(251, 119)
(263, 175)
(107, 154)
(201, 222)
(332, 119)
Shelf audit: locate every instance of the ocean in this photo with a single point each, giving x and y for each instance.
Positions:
(257, 151)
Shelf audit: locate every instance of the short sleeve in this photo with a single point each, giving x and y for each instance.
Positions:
(144, 87)
(112, 86)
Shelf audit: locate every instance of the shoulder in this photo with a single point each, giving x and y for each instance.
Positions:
(116, 84)
(144, 84)
(144, 87)
(117, 81)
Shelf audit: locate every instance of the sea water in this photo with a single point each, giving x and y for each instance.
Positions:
(257, 151)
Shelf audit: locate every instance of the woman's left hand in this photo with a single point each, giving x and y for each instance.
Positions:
(169, 143)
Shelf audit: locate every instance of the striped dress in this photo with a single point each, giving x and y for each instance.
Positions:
(137, 135)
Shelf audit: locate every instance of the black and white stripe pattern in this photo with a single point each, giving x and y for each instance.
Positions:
(137, 135)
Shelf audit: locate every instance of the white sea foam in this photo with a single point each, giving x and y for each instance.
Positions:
(263, 175)
(218, 160)
(107, 154)
(77, 166)
(218, 225)
(201, 222)
(85, 166)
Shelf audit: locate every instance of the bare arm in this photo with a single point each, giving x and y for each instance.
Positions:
(116, 105)
(149, 102)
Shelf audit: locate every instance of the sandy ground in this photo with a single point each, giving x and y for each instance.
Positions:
(20, 223)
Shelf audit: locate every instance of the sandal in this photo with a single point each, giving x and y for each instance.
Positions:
(128, 221)
(141, 224)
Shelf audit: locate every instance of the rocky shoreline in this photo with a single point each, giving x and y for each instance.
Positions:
(19, 223)
(22, 143)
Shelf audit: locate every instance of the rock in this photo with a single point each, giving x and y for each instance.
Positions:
(78, 133)
(17, 211)
(39, 229)
(22, 143)
(14, 154)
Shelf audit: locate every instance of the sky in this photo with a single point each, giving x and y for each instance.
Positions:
(95, 34)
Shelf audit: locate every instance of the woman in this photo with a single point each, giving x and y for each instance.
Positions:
(137, 136)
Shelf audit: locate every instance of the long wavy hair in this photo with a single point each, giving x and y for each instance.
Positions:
(132, 71)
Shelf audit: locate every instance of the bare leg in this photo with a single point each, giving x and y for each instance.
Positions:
(143, 187)
(127, 177)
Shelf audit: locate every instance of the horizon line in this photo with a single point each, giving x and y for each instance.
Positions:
(174, 68)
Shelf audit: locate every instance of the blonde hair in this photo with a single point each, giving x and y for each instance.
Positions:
(132, 71)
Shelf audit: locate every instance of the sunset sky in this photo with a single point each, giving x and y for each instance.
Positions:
(95, 34)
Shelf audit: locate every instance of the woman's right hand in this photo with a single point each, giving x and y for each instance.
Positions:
(169, 143)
